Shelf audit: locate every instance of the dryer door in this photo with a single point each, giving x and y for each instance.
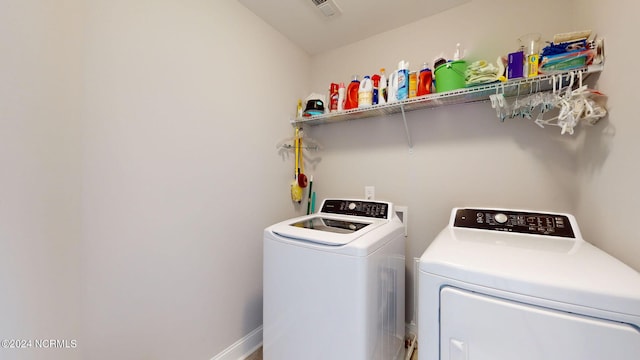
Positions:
(480, 327)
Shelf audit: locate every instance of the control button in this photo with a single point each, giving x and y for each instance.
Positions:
(352, 206)
(501, 218)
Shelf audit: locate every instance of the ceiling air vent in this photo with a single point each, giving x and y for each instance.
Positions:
(328, 7)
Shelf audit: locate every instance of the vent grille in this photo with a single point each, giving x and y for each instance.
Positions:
(328, 7)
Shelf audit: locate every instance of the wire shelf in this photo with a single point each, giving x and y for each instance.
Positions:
(510, 88)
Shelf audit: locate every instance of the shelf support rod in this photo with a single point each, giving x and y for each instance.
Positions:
(406, 127)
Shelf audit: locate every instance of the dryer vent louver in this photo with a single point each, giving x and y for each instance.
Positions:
(328, 7)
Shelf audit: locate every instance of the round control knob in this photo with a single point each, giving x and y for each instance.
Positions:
(352, 206)
(501, 218)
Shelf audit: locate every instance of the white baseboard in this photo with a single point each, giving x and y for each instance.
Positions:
(246, 346)
(242, 348)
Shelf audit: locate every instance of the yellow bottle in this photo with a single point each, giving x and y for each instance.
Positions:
(532, 65)
(413, 84)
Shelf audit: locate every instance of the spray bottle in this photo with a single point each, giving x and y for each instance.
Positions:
(376, 88)
(459, 54)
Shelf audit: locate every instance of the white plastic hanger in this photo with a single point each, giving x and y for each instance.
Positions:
(288, 143)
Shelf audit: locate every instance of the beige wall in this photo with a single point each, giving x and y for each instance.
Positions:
(462, 155)
(186, 101)
(139, 164)
(139, 169)
(609, 154)
(40, 88)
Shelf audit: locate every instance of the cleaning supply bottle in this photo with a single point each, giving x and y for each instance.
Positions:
(365, 92)
(351, 101)
(333, 97)
(341, 97)
(413, 84)
(403, 80)
(375, 78)
(424, 80)
(382, 87)
(392, 94)
(459, 54)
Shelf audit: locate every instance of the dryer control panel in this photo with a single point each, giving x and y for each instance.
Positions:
(364, 208)
(515, 221)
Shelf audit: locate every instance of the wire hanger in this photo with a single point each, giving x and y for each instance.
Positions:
(288, 143)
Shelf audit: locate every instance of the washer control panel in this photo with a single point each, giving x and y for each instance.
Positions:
(515, 221)
(372, 209)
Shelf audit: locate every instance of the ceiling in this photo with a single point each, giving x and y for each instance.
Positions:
(306, 25)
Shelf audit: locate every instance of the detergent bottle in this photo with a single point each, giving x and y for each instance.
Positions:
(382, 87)
(403, 80)
(365, 92)
(424, 80)
(333, 97)
(351, 100)
(392, 93)
(341, 97)
(413, 84)
(375, 78)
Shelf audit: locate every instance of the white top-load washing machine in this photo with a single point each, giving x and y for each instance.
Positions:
(334, 284)
(510, 284)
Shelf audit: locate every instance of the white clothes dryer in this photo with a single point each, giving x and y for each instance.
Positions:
(513, 284)
(334, 284)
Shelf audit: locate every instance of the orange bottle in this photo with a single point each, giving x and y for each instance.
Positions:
(424, 81)
(351, 98)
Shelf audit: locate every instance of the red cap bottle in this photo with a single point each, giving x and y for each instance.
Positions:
(376, 86)
(333, 97)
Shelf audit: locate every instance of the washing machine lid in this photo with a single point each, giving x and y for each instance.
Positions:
(537, 262)
(326, 230)
(339, 222)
